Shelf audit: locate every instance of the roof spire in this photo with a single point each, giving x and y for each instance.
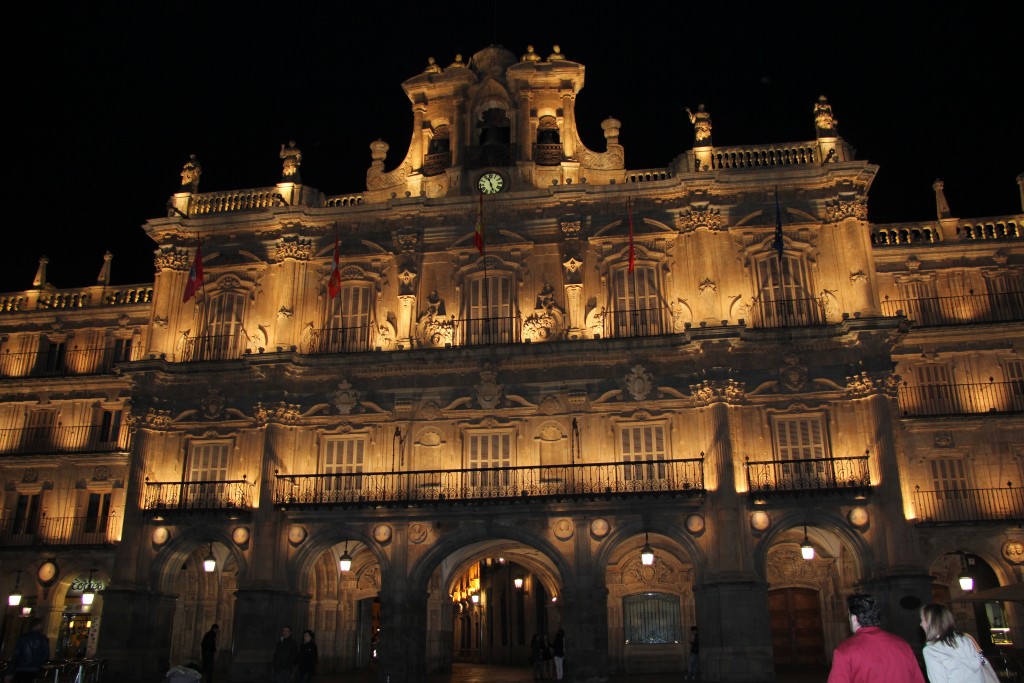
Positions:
(40, 281)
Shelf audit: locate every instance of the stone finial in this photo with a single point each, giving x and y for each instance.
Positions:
(379, 150)
(825, 124)
(611, 126)
(104, 277)
(40, 280)
(556, 54)
(191, 172)
(941, 205)
(701, 121)
(291, 160)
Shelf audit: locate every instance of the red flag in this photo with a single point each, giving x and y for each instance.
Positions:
(195, 275)
(632, 252)
(334, 281)
(478, 235)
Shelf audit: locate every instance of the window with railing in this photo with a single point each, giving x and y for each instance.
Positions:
(643, 449)
(39, 430)
(921, 301)
(347, 321)
(1006, 295)
(97, 513)
(491, 310)
(784, 293)
(487, 450)
(949, 477)
(222, 336)
(935, 387)
(801, 447)
(52, 358)
(346, 456)
(25, 520)
(651, 619)
(637, 309)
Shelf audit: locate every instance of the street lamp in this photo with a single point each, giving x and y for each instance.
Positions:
(518, 581)
(14, 599)
(345, 561)
(966, 580)
(806, 549)
(88, 595)
(210, 563)
(647, 553)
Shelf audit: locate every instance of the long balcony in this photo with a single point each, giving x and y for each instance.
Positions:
(958, 310)
(166, 497)
(969, 505)
(330, 340)
(820, 475)
(478, 331)
(59, 361)
(213, 347)
(641, 322)
(61, 531)
(683, 477)
(802, 312)
(961, 399)
(96, 438)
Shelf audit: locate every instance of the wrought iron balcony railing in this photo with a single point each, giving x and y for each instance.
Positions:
(958, 310)
(59, 361)
(802, 312)
(61, 531)
(484, 331)
(191, 496)
(811, 474)
(97, 438)
(969, 505)
(546, 154)
(338, 340)
(641, 322)
(436, 164)
(961, 399)
(213, 347)
(494, 484)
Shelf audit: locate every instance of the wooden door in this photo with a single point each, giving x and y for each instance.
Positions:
(797, 640)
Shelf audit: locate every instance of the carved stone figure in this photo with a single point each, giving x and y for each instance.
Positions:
(190, 175)
(701, 126)
(546, 297)
(292, 158)
(432, 67)
(530, 56)
(824, 122)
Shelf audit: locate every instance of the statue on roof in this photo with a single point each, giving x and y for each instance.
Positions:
(556, 54)
(824, 122)
(190, 175)
(432, 67)
(458, 63)
(530, 56)
(292, 159)
(701, 126)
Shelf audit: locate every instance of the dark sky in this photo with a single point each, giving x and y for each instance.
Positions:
(106, 103)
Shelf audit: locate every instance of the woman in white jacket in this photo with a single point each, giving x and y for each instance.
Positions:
(949, 656)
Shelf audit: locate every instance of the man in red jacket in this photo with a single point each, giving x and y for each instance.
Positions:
(872, 655)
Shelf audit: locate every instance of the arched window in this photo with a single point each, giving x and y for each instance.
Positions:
(637, 309)
(548, 149)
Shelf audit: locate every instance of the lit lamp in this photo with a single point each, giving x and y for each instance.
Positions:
(518, 582)
(806, 549)
(475, 598)
(965, 579)
(88, 595)
(345, 561)
(646, 553)
(210, 563)
(14, 599)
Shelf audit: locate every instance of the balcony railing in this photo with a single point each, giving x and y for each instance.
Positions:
(969, 505)
(213, 347)
(958, 310)
(548, 154)
(58, 361)
(801, 312)
(436, 164)
(192, 496)
(481, 331)
(961, 399)
(61, 531)
(760, 156)
(338, 340)
(96, 438)
(642, 322)
(494, 484)
(811, 474)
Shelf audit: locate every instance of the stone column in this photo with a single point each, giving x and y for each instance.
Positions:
(406, 320)
(574, 305)
(568, 133)
(585, 611)
(260, 614)
(416, 151)
(403, 633)
(136, 635)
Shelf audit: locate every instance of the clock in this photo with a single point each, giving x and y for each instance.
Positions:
(490, 183)
(47, 572)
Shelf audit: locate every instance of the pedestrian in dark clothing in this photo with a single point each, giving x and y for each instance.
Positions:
(307, 657)
(558, 650)
(694, 655)
(209, 652)
(31, 652)
(285, 654)
(537, 657)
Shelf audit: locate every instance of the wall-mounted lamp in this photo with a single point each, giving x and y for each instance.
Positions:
(26, 611)
(345, 561)
(14, 599)
(966, 580)
(806, 549)
(646, 553)
(88, 595)
(210, 563)
(518, 582)
(475, 598)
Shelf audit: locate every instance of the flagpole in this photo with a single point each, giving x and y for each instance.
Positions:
(481, 246)
(632, 267)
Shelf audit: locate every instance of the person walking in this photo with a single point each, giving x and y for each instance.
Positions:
(537, 657)
(558, 651)
(31, 652)
(208, 649)
(949, 656)
(872, 655)
(694, 670)
(308, 657)
(285, 654)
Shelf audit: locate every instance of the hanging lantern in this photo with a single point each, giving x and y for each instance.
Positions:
(647, 553)
(210, 563)
(345, 561)
(806, 549)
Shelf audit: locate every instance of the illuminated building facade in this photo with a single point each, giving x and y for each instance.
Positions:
(494, 377)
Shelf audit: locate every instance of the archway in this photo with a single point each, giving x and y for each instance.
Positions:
(988, 621)
(79, 602)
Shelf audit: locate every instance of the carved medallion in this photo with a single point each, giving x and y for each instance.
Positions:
(760, 521)
(695, 524)
(240, 535)
(600, 527)
(1013, 550)
(382, 533)
(417, 532)
(296, 534)
(639, 383)
(564, 529)
(858, 517)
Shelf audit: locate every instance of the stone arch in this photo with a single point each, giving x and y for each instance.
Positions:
(183, 543)
(321, 540)
(815, 519)
(666, 535)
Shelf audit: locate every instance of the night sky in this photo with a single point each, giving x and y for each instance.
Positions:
(105, 104)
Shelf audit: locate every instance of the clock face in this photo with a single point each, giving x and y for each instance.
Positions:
(490, 183)
(47, 572)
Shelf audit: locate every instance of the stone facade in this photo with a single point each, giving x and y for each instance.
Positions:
(491, 405)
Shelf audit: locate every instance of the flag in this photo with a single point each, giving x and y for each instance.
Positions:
(478, 235)
(195, 275)
(632, 252)
(777, 243)
(334, 281)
